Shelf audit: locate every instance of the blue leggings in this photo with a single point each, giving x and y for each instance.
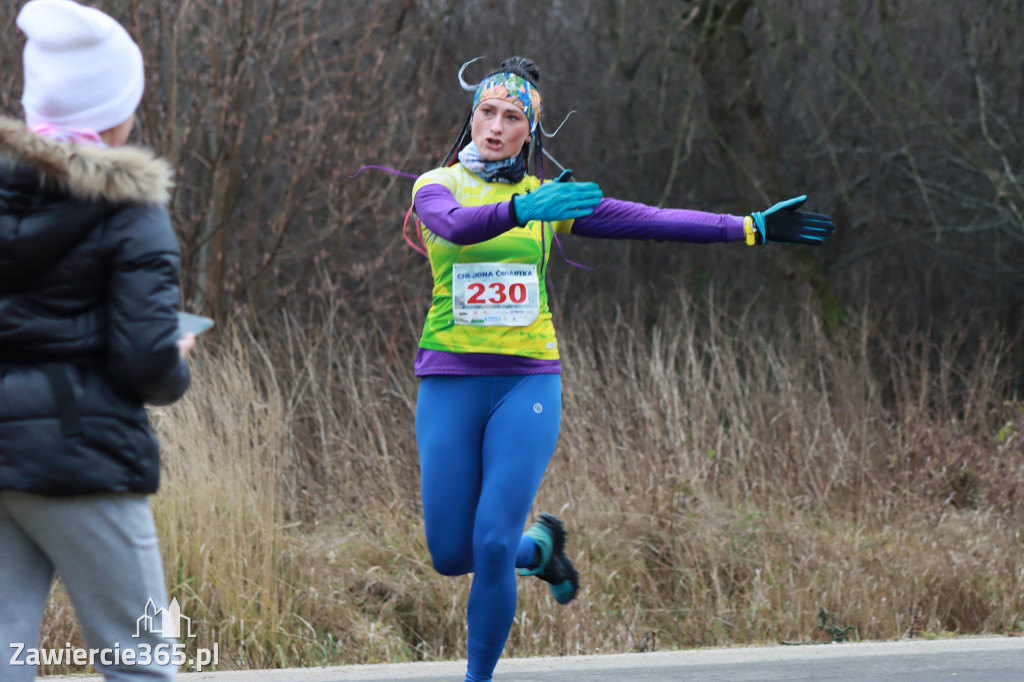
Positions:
(484, 444)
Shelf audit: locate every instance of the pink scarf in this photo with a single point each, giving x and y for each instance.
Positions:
(55, 132)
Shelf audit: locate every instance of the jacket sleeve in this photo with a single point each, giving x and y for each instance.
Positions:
(142, 305)
(443, 215)
(617, 219)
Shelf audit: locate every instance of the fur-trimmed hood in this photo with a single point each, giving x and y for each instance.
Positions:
(115, 174)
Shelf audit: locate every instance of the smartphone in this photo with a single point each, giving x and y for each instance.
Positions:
(196, 324)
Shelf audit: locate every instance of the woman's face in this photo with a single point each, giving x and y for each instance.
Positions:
(500, 129)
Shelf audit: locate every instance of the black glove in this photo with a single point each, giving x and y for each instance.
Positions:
(783, 223)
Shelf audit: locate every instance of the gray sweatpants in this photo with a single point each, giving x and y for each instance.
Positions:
(104, 547)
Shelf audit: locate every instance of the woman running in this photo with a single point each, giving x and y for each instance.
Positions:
(489, 404)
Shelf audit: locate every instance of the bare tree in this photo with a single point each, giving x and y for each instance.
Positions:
(900, 118)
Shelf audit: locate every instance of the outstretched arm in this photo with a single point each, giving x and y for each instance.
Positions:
(617, 219)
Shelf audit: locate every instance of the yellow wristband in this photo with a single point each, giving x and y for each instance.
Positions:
(749, 231)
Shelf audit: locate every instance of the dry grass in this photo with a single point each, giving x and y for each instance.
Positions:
(726, 480)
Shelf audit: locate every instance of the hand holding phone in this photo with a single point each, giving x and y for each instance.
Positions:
(193, 324)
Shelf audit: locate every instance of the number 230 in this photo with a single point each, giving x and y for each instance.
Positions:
(499, 293)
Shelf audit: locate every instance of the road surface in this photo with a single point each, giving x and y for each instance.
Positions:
(980, 659)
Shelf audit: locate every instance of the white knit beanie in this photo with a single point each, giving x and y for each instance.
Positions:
(82, 69)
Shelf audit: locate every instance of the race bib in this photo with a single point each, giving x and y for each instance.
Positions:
(487, 294)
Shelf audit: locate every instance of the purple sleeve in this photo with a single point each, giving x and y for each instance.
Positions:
(447, 218)
(617, 219)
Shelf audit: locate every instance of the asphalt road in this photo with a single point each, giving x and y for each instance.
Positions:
(981, 659)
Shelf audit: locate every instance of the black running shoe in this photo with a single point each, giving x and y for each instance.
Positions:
(554, 567)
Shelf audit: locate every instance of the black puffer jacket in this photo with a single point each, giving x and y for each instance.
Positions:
(88, 301)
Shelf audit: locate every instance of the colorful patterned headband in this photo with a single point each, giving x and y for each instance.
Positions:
(512, 88)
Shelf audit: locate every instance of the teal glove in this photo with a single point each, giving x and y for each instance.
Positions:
(784, 223)
(556, 200)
